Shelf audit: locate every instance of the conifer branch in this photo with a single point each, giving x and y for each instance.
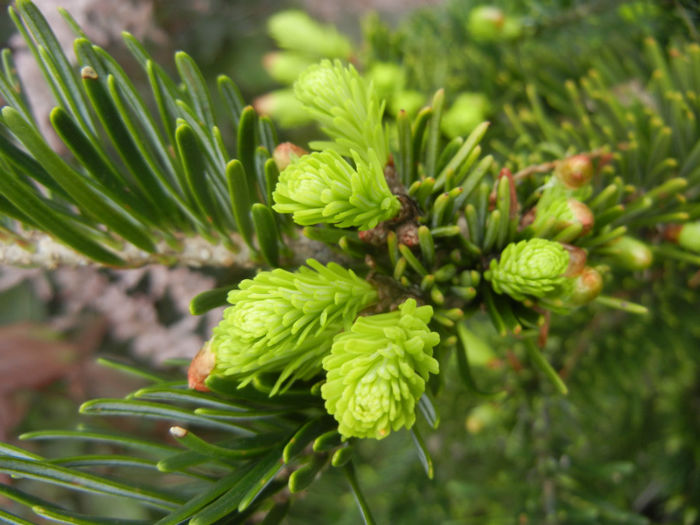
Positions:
(431, 234)
(40, 250)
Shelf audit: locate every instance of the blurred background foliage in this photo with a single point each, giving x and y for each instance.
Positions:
(623, 447)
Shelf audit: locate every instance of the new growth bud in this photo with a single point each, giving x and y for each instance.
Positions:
(580, 214)
(628, 253)
(689, 236)
(283, 106)
(585, 287)
(200, 368)
(481, 417)
(490, 24)
(574, 172)
(556, 211)
(285, 67)
(285, 153)
(577, 260)
(376, 372)
(535, 268)
(347, 109)
(467, 111)
(284, 322)
(324, 188)
(297, 31)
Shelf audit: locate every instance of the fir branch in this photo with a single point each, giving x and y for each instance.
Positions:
(37, 249)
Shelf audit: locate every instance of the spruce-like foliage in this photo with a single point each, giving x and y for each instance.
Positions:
(284, 322)
(324, 188)
(377, 371)
(348, 109)
(470, 260)
(536, 268)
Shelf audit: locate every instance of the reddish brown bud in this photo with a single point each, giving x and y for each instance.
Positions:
(269, 59)
(587, 287)
(376, 236)
(582, 215)
(407, 234)
(528, 218)
(200, 368)
(286, 152)
(577, 260)
(575, 171)
(264, 104)
(672, 232)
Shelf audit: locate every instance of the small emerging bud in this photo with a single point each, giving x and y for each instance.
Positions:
(689, 236)
(295, 30)
(577, 260)
(582, 215)
(672, 231)
(467, 112)
(575, 171)
(285, 153)
(557, 212)
(407, 234)
(285, 67)
(586, 287)
(490, 24)
(283, 106)
(629, 253)
(481, 417)
(200, 368)
(375, 236)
